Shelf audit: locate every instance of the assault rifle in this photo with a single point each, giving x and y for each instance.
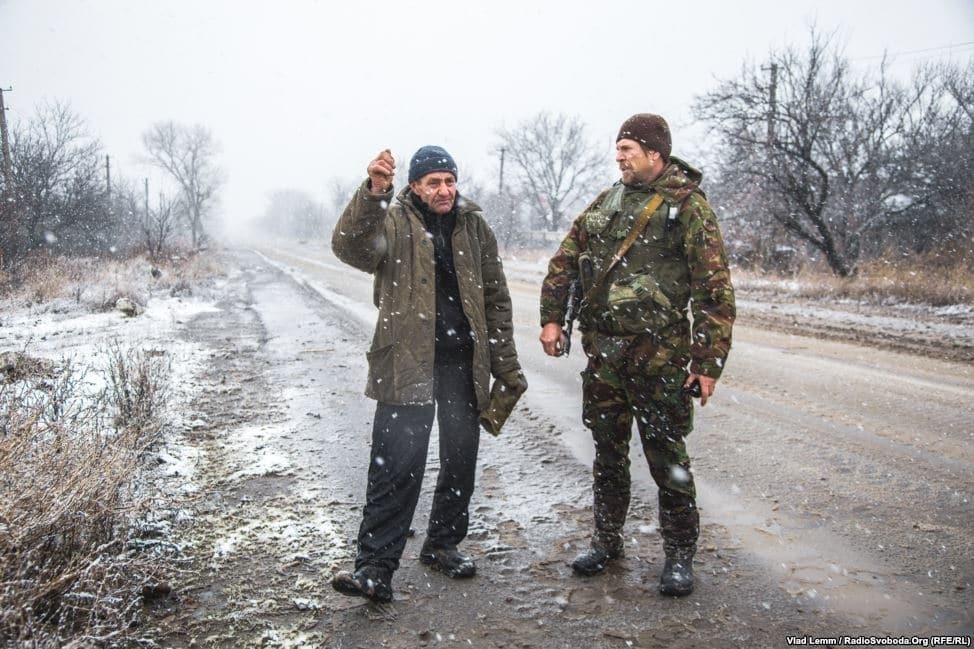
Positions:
(571, 312)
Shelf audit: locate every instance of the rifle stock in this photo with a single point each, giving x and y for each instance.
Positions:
(571, 312)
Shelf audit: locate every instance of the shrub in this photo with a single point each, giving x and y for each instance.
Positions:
(70, 565)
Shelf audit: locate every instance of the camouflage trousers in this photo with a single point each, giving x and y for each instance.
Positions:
(635, 378)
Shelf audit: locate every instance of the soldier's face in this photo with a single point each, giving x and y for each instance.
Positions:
(438, 190)
(636, 165)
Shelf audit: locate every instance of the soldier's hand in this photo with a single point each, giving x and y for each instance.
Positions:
(552, 338)
(707, 386)
(381, 171)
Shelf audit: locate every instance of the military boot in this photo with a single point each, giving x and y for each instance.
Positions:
(448, 560)
(677, 576)
(594, 560)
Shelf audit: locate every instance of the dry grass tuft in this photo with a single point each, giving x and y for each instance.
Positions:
(70, 566)
(99, 283)
(79, 553)
(43, 278)
(137, 389)
(913, 281)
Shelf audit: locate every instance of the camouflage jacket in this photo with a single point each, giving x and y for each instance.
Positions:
(676, 266)
(386, 237)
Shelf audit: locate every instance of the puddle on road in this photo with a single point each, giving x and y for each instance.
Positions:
(816, 567)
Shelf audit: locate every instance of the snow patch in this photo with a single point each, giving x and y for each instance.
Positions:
(250, 446)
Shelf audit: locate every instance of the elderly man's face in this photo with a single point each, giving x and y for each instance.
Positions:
(438, 190)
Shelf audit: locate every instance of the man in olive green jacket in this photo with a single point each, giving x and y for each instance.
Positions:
(444, 327)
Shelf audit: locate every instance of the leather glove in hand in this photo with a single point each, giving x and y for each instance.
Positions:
(504, 395)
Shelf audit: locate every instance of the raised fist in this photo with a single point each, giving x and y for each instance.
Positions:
(381, 171)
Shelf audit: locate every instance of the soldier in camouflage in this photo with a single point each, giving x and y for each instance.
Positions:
(644, 352)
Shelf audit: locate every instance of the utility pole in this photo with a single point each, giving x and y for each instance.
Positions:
(8, 213)
(772, 104)
(5, 139)
(500, 188)
(108, 181)
(147, 224)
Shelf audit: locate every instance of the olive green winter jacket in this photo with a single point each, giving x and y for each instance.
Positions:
(393, 245)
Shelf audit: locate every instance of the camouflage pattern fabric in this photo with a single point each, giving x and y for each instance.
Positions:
(677, 264)
(637, 334)
(616, 390)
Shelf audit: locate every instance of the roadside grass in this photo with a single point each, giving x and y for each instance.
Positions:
(71, 445)
(914, 281)
(43, 281)
(81, 554)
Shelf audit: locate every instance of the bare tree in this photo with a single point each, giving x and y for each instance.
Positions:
(124, 217)
(58, 195)
(822, 152)
(470, 187)
(159, 225)
(293, 213)
(188, 155)
(339, 192)
(554, 165)
(941, 225)
(501, 208)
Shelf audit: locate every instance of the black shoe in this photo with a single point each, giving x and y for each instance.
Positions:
(593, 561)
(368, 582)
(677, 576)
(448, 561)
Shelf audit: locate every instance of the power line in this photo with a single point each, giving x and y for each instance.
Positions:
(939, 48)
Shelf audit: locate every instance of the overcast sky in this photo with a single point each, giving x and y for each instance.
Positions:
(298, 92)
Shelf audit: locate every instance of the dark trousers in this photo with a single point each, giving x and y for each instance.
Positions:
(400, 440)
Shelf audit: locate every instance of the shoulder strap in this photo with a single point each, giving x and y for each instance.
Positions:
(626, 244)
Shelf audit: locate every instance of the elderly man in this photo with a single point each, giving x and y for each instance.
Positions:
(444, 327)
(646, 252)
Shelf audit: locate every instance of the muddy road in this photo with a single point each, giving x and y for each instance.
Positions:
(835, 490)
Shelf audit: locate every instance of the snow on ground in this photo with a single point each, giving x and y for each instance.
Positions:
(65, 333)
(759, 301)
(530, 269)
(364, 313)
(254, 455)
(83, 338)
(857, 319)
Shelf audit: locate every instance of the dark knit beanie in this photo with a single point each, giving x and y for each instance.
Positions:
(429, 159)
(649, 130)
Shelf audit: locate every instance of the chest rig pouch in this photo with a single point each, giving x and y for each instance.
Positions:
(593, 261)
(634, 302)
